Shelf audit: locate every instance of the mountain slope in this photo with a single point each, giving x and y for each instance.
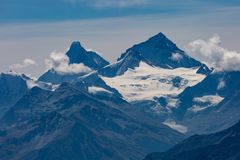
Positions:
(218, 83)
(52, 76)
(13, 86)
(76, 55)
(151, 74)
(153, 69)
(215, 118)
(157, 51)
(224, 145)
(211, 105)
(70, 123)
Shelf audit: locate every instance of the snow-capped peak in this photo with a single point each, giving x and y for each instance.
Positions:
(162, 52)
(157, 51)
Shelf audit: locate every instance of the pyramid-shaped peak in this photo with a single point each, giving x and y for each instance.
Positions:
(160, 35)
(162, 41)
(161, 51)
(78, 54)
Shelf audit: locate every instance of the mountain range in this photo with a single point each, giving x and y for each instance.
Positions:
(153, 97)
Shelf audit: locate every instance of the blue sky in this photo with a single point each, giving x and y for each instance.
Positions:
(58, 10)
(33, 29)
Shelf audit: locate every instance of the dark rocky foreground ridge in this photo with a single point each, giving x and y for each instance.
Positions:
(224, 145)
(71, 124)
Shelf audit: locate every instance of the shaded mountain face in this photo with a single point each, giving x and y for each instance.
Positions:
(157, 51)
(131, 60)
(207, 106)
(94, 85)
(52, 76)
(162, 52)
(221, 84)
(215, 117)
(70, 123)
(76, 55)
(224, 145)
(13, 87)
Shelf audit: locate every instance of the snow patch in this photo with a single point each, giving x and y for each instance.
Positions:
(176, 57)
(172, 102)
(46, 86)
(205, 102)
(172, 124)
(221, 84)
(213, 99)
(95, 90)
(31, 84)
(12, 73)
(157, 109)
(196, 109)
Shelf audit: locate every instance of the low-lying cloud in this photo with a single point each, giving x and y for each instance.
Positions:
(211, 52)
(60, 63)
(25, 63)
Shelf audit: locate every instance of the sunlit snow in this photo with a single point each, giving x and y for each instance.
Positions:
(172, 124)
(145, 82)
(205, 102)
(95, 90)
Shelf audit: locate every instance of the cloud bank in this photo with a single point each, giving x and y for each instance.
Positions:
(25, 63)
(211, 52)
(60, 63)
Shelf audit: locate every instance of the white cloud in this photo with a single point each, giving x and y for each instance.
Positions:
(210, 51)
(60, 63)
(25, 63)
